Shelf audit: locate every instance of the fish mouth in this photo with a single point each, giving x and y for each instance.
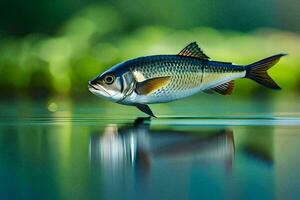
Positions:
(98, 89)
(91, 86)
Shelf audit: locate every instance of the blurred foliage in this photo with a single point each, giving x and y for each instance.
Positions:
(19, 17)
(96, 38)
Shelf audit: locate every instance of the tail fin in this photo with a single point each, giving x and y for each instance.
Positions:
(258, 71)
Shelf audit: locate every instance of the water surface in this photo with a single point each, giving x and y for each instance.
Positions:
(88, 151)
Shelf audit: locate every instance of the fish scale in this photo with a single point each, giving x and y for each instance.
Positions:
(188, 75)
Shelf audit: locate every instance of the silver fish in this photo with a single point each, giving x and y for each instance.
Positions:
(165, 78)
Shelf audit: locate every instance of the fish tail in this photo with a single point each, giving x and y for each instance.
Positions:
(258, 71)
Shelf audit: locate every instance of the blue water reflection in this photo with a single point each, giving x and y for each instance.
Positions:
(146, 159)
(172, 164)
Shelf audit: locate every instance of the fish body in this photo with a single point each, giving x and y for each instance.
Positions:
(164, 78)
(188, 76)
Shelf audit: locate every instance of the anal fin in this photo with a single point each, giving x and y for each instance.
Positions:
(209, 91)
(223, 89)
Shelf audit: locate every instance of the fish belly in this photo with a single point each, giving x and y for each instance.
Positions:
(213, 79)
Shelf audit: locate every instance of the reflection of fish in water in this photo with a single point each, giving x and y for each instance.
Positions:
(165, 78)
(120, 148)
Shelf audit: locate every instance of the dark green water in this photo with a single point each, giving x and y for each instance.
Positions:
(97, 150)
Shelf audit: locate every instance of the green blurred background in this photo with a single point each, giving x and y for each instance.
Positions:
(52, 48)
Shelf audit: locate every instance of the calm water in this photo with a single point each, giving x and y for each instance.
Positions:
(64, 150)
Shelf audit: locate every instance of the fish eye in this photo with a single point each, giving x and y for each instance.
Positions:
(109, 79)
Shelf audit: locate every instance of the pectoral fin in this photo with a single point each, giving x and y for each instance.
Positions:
(151, 85)
(145, 109)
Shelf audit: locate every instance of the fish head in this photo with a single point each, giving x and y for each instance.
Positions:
(114, 84)
(106, 85)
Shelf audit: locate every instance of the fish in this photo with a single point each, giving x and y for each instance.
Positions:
(135, 146)
(164, 78)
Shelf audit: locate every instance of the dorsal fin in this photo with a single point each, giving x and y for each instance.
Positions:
(224, 89)
(193, 50)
